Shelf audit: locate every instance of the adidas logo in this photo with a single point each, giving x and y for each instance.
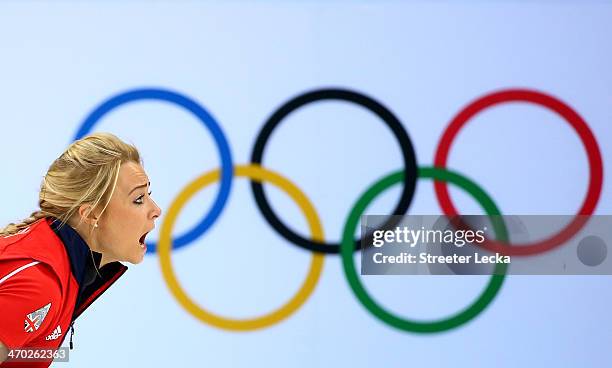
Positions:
(55, 334)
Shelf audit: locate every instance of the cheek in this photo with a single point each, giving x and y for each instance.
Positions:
(122, 226)
(123, 241)
(132, 224)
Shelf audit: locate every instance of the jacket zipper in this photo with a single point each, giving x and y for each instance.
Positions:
(71, 333)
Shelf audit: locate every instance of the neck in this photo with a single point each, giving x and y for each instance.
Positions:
(84, 233)
(105, 260)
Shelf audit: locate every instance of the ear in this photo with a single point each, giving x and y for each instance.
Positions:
(86, 216)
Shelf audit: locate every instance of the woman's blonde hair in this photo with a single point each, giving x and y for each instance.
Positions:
(86, 173)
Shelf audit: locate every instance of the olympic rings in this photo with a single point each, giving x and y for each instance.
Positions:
(360, 292)
(165, 245)
(317, 244)
(377, 108)
(209, 122)
(588, 141)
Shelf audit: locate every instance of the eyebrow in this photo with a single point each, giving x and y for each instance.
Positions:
(140, 186)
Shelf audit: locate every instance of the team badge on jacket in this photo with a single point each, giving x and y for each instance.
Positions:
(36, 318)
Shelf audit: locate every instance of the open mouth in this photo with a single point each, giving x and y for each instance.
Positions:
(142, 240)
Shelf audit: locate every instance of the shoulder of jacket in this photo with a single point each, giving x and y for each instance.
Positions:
(36, 241)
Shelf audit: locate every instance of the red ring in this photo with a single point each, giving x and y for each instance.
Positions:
(579, 125)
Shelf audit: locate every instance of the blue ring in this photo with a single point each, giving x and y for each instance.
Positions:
(210, 123)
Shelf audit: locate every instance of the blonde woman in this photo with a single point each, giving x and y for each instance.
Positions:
(95, 211)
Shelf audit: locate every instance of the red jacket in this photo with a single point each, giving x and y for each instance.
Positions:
(47, 280)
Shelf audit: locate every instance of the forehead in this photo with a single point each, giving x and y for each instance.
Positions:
(131, 175)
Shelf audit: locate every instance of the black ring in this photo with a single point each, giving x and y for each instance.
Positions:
(377, 108)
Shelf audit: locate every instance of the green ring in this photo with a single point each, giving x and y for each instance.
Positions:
(347, 248)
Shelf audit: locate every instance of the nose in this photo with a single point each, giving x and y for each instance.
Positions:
(156, 210)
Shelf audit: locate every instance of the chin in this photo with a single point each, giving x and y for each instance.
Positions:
(134, 258)
(138, 259)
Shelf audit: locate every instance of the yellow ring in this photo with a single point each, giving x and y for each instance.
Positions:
(164, 246)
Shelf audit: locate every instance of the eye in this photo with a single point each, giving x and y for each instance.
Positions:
(139, 199)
